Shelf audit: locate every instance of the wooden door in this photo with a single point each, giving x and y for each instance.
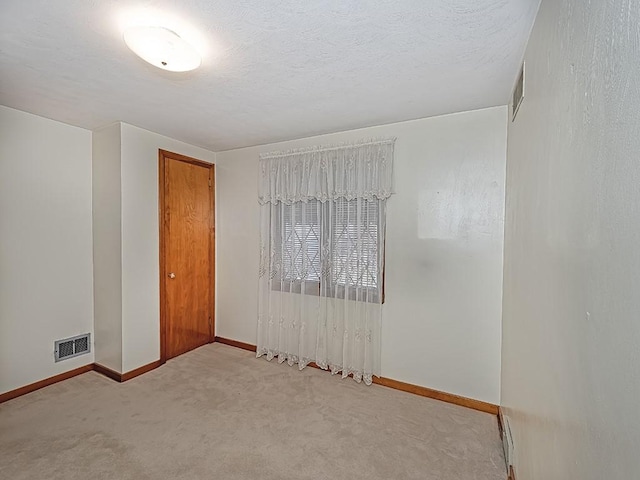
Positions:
(186, 254)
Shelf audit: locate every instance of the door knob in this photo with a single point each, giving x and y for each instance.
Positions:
(172, 275)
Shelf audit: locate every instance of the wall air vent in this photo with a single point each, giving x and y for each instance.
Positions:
(518, 94)
(507, 441)
(71, 347)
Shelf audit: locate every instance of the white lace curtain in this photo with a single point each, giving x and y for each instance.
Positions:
(322, 256)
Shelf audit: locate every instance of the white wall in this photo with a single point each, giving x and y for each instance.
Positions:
(45, 245)
(442, 314)
(571, 347)
(107, 247)
(140, 241)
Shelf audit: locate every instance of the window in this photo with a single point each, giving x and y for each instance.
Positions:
(354, 235)
(339, 238)
(321, 269)
(300, 227)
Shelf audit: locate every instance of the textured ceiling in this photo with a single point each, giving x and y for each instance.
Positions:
(273, 70)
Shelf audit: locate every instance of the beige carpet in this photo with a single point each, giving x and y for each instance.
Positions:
(219, 413)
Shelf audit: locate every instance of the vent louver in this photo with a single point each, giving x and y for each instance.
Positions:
(507, 441)
(518, 95)
(72, 347)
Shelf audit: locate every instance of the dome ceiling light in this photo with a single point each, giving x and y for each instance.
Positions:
(162, 48)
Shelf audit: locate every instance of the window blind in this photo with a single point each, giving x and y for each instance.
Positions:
(349, 227)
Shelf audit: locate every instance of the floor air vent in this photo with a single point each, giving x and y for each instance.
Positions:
(72, 347)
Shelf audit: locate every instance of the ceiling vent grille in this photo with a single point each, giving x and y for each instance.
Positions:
(518, 95)
(72, 347)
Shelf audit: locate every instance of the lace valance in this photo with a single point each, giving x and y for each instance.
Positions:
(362, 170)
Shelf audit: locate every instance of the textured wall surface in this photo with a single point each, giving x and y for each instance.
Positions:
(46, 284)
(272, 70)
(571, 361)
(443, 279)
(107, 246)
(126, 242)
(141, 241)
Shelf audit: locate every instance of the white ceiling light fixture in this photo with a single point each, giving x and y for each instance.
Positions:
(162, 48)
